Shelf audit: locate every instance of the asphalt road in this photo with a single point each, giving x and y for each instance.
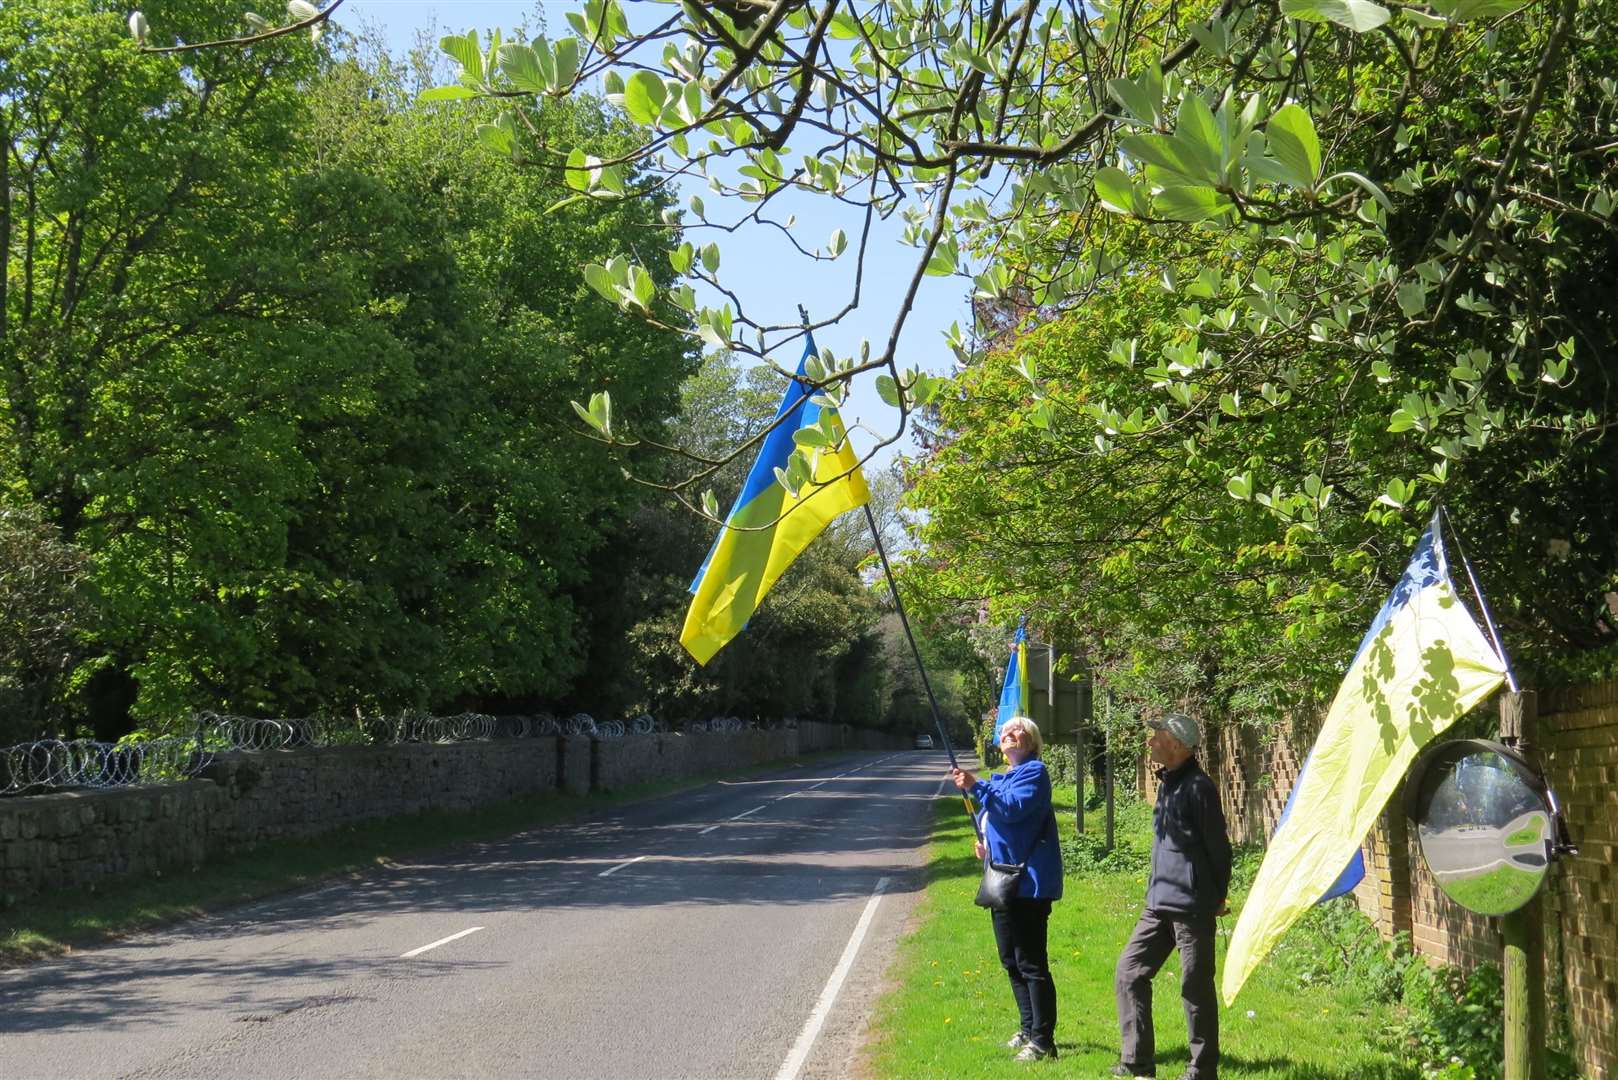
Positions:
(737, 930)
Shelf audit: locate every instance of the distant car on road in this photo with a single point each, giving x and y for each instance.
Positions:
(924, 742)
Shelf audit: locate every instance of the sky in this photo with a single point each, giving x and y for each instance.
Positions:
(758, 264)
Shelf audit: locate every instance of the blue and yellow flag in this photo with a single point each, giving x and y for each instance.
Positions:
(1014, 691)
(744, 562)
(1420, 667)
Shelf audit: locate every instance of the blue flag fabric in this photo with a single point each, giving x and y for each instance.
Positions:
(1014, 690)
(769, 526)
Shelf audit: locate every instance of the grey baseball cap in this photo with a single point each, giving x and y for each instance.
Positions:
(1179, 725)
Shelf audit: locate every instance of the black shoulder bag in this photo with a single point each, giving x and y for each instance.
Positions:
(1000, 880)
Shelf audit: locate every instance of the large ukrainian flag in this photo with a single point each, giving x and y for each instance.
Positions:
(1014, 690)
(1420, 667)
(744, 562)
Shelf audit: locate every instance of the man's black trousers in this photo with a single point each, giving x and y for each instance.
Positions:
(1155, 936)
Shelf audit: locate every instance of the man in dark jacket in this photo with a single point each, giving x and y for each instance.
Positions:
(1187, 890)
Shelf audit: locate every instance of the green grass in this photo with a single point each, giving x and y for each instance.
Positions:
(1503, 889)
(952, 1009)
(53, 923)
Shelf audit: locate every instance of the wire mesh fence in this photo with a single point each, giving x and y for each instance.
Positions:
(59, 764)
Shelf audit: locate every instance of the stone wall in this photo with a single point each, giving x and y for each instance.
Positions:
(1577, 744)
(83, 839)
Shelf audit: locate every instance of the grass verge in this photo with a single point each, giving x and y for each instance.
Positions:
(57, 922)
(952, 1010)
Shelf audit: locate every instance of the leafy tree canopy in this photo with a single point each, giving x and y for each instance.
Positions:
(1298, 271)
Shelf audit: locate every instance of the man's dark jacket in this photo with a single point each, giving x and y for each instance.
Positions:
(1190, 851)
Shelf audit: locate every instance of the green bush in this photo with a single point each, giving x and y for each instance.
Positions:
(1335, 944)
(1086, 853)
(1451, 1021)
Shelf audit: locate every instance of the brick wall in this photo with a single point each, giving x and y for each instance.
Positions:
(1576, 741)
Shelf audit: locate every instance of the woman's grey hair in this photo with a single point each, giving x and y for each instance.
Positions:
(1027, 727)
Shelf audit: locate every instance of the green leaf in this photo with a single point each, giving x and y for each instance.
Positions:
(1358, 15)
(681, 257)
(888, 390)
(1364, 183)
(1412, 296)
(599, 279)
(645, 287)
(447, 93)
(1198, 135)
(710, 258)
(1189, 203)
(495, 137)
(520, 64)
(466, 51)
(1471, 10)
(837, 243)
(564, 201)
(1142, 98)
(584, 414)
(577, 172)
(567, 61)
(644, 94)
(710, 503)
(1115, 190)
(1240, 487)
(844, 25)
(1292, 140)
(300, 10)
(1424, 20)
(812, 438)
(1398, 493)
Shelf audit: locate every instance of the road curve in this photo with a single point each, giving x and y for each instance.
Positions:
(734, 930)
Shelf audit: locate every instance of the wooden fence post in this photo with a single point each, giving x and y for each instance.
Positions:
(1523, 964)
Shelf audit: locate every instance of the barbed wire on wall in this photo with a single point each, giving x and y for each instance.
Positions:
(58, 764)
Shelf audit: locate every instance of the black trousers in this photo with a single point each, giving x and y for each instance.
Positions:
(1020, 934)
(1157, 933)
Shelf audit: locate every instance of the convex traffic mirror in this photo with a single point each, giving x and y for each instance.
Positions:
(1488, 823)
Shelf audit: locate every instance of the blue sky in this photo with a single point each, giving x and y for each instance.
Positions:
(758, 264)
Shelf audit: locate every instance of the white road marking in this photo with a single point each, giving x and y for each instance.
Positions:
(440, 941)
(620, 866)
(811, 1029)
(744, 813)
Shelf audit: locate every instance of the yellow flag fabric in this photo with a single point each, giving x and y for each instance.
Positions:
(1421, 666)
(744, 562)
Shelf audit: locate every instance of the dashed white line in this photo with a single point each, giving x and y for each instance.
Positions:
(614, 869)
(744, 813)
(440, 941)
(806, 1038)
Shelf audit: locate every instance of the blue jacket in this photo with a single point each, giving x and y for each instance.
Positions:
(1017, 823)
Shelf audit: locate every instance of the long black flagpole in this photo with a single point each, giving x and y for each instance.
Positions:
(938, 721)
(904, 621)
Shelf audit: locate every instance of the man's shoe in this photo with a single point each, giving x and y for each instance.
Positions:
(1122, 1069)
(1018, 1041)
(1034, 1052)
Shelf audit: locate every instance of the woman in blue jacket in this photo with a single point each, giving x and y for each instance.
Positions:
(1018, 825)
